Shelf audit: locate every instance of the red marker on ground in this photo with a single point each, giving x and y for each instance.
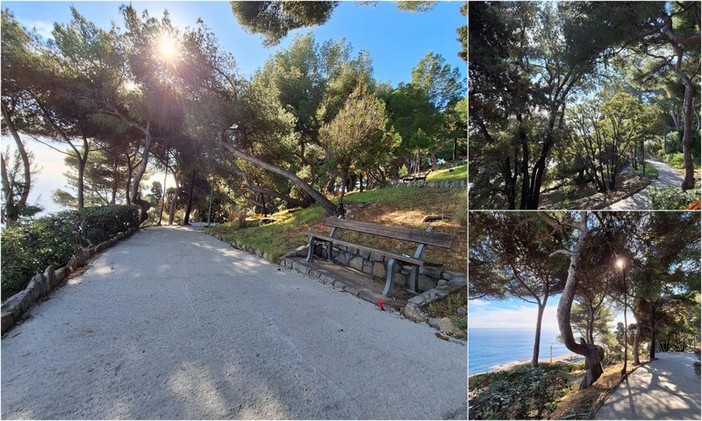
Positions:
(381, 303)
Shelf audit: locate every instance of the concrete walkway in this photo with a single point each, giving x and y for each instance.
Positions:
(664, 389)
(175, 324)
(667, 177)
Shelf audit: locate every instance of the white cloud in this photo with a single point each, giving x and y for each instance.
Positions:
(482, 316)
(42, 28)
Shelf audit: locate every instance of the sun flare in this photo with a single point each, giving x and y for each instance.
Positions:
(167, 47)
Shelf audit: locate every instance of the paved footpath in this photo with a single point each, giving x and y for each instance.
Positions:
(664, 389)
(667, 177)
(175, 324)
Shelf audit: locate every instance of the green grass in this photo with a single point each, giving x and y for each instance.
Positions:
(449, 174)
(647, 170)
(276, 238)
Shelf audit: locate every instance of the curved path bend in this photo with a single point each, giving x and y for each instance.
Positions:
(175, 324)
(667, 177)
(664, 389)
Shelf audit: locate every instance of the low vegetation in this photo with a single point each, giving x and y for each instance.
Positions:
(453, 305)
(29, 248)
(520, 392)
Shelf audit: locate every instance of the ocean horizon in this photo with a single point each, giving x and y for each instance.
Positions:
(491, 348)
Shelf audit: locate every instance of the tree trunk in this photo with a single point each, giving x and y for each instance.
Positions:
(10, 216)
(141, 168)
(163, 192)
(537, 335)
(27, 169)
(171, 211)
(652, 347)
(325, 203)
(593, 353)
(689, 181)
(189, 207)
(637, 338)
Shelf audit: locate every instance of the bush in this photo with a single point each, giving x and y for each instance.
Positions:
(672, 198)
(676, 159)
(28, 249)
(522, 392)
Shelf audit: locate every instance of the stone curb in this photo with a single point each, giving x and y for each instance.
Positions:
(42, 284)
(413, 310)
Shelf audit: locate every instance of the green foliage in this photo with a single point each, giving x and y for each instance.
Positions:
(671, 198)
(522, 392)
(274, 19)
(676, 159)
(28, 249)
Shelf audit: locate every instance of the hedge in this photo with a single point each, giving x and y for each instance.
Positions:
(29, 248)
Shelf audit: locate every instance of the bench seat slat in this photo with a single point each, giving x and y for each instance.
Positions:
(395, 256)
(399, 233)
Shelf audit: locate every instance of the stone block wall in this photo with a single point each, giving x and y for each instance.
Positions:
(376, 266)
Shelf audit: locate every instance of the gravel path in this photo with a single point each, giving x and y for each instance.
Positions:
(664, 389)
(667, 177)
(175, 324)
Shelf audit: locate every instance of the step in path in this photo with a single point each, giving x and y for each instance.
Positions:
(173, 323)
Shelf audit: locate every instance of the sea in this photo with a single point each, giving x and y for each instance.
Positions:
(491, 348)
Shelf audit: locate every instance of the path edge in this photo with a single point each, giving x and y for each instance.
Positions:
(42, 284)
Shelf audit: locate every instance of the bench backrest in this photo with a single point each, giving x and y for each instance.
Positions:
(399, 233)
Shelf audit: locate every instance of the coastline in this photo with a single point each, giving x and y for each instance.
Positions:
(570, 358)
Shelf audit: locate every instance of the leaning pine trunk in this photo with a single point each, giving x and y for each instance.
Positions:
(593, 353)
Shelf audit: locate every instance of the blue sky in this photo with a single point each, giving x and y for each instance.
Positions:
(516, 313)
(396, 42)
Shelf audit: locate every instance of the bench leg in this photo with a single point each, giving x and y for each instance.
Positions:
(310, 249)
(390, 276)
(329, 250)
(414, 277)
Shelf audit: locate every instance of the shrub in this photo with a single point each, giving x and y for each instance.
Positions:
(676, 159)
(672, 198)
(28, 249)
(522, 392)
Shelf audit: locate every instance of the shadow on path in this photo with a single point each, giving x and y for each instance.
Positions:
(664, 389)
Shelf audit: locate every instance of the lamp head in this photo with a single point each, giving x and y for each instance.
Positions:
(621, 263)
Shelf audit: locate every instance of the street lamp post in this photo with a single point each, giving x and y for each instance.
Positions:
(621, 264)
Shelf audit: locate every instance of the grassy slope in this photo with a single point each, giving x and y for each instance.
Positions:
(402, 206)
(449, 174)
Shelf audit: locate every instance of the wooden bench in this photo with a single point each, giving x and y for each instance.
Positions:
(421, 238)
(417, 176)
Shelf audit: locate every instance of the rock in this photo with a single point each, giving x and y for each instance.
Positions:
(375, 257)
(413, 312)
(462, 311)
(50, 275)
(426, 283)
(430, 272)
(441, 282)
(356, 263)
(367, 267)
(8, 320)
(432, 218)
(60, 275)
(379, 270)
(446, 325)
(365, 255)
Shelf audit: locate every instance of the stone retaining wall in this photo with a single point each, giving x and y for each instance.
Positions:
(42, 284)
(455, 184)
(376, 266)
